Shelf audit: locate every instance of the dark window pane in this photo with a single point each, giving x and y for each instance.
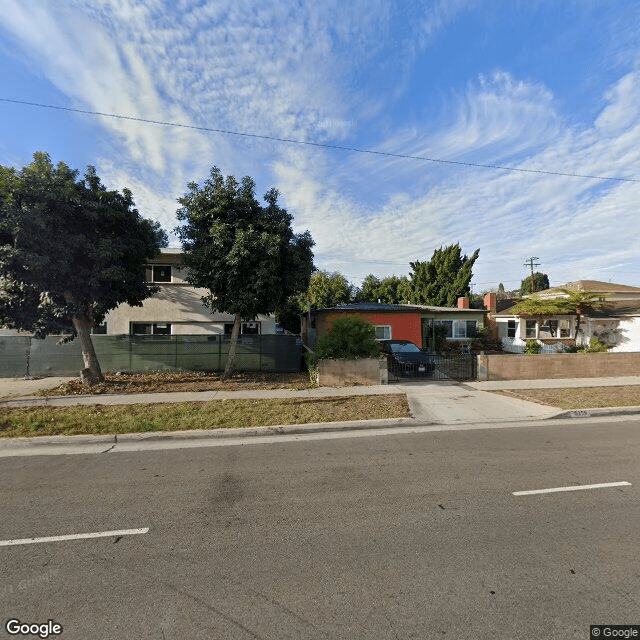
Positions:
(162, 329)
(161, 273)
(141, 328)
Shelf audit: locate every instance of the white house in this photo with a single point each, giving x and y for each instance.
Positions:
(177, 308)
(617, 325)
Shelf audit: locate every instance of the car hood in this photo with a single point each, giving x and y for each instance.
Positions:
(412, 357)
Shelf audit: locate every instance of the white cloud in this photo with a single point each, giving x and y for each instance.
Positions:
(572, 224)
(291, 70)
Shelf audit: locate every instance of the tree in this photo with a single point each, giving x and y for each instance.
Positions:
(443, 279)
(389, 290)
(541, 281)
(326, 290)
(244, 253)
(70, 251)
(577, 303)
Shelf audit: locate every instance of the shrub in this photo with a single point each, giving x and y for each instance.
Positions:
(597, 346)
(532, 347)
(349, 338)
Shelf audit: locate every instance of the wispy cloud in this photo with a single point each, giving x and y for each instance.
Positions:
(333, 72)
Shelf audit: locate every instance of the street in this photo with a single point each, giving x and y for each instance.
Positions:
(409, 535)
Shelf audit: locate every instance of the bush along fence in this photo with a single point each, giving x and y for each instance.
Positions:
(26, 356)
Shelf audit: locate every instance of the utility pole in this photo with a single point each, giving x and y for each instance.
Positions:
(530, 263)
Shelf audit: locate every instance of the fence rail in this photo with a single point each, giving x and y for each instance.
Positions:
(26, 356)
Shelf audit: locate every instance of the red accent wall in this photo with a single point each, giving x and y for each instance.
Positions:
(404, 326)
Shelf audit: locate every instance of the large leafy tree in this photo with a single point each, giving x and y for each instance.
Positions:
(389, 290)
(540, 282)
(576, 303)
(70, 251)
(326, 289)
(443, 279)
(244, 253)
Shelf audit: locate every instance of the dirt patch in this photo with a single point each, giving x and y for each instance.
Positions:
(167, 381)
(580, 397)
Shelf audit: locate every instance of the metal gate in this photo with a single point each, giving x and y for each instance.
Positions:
(440, 366)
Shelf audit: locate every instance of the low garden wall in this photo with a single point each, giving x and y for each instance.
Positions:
(558, 365)
(365, 371)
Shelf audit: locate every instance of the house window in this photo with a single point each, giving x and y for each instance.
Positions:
(151, 328)
(459, 329)
(448, 325)
(511, 329)
(161, 273)
(530, 329)
(246, 328)
(564, 328)
(383, 332)
(464, 329)
(549, 329)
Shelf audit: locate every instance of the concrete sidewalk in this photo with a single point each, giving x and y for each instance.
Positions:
(433, 405)
(445, 402)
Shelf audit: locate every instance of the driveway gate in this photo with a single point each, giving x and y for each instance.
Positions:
(446, 366)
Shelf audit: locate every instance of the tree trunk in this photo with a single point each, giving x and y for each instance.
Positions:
(575, 336)
(91, 373)
(231, 358)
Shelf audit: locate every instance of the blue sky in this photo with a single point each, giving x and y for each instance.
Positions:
(551, 86)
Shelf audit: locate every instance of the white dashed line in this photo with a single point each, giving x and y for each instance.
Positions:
(574, 488)
(74, 536)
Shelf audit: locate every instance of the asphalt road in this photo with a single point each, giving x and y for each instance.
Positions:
(386, 537)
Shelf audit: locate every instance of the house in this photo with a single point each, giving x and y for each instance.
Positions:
(400, 321)
(177, 308)
(617, 325)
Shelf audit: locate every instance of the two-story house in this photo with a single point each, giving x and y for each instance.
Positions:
(176, 309)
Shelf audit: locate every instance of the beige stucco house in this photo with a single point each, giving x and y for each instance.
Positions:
(176, 309)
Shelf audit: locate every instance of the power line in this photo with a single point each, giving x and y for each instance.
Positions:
(319, 144)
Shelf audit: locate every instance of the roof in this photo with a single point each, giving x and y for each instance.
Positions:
(375, 307)
(618, 308)
(592, 286)
(613, 309)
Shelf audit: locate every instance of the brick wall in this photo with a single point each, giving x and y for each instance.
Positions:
(560, 365)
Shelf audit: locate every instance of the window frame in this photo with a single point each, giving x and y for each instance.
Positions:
(156, 328)
(530, 326)
(227, 328)
(383, 327)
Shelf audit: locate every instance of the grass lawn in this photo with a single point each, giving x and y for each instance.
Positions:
(166, 381)
(237, 414)
(580, 397)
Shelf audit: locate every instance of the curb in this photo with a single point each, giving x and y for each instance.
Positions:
(105, 443)
(598, 412)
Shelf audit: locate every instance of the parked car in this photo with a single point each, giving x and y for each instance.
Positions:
(407, 359)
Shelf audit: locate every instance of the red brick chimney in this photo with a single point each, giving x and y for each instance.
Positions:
(463, 303)
(490, 302)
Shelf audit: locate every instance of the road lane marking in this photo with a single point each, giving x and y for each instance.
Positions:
(574, 488)
(74, 536)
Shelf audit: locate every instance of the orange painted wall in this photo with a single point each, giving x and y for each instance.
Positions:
(404, 326)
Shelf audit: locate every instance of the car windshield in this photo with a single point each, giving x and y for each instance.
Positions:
(408, 347)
